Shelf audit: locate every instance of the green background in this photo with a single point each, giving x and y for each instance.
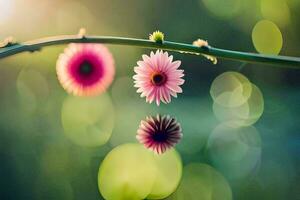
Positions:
(37, 161)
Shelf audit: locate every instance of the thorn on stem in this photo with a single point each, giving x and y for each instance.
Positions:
(82, 33)
(203, 43)
(200, 43)
(9, 41)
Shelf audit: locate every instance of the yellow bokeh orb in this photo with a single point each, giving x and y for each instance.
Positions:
(234, 151)
(168, 175)
(88, 121)
(130, 171)
(244, 115)
(201, 181)
(267, 37)
(127, 173)
(277, 11)
(230, 89)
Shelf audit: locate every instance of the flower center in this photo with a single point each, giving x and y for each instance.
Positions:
(85, 68)
(158, 79)
(160, 137)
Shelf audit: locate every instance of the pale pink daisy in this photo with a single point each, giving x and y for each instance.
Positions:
(159, 133)
(85, 69)
(158, 77)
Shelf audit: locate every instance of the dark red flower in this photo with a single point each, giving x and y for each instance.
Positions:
(159, 133)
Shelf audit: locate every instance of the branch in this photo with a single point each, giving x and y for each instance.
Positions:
(14, 48)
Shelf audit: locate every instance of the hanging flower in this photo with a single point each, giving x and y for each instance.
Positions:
(159, 133)
(158, 77)
(85, 69)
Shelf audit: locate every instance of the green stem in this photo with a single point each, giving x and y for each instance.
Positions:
(35, 45)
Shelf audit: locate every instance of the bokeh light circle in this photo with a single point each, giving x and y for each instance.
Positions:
(234, 151)
(246, 114)
(195, 131)
(231, 89)
(168, 175)
(201, 181)
(88, 121)
(127, 172)
(130, 171)
(267, 37)
(277, 11)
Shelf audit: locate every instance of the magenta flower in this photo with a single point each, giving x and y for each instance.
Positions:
(85, 69)
(158, 77)
(159, 133)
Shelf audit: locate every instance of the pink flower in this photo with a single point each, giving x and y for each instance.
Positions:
(85, 69)
(158, 77)
(159, 133)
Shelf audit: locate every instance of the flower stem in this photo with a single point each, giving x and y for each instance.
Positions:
(35, 45)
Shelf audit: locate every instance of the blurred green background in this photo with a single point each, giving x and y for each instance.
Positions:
(41, 159)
